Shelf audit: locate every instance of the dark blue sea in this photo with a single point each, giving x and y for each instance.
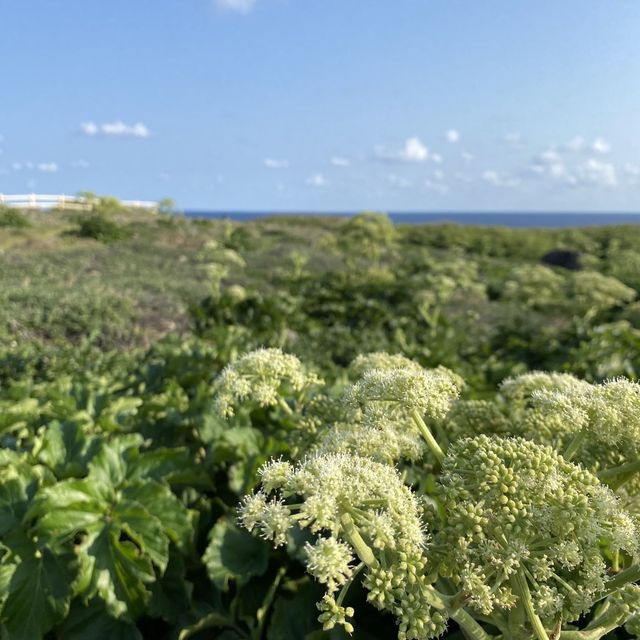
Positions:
(528, 219)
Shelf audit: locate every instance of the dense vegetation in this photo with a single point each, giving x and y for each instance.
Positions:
(137, 410)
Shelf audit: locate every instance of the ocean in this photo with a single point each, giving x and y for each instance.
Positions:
(503, 219)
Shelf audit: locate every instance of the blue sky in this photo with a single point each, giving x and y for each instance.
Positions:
(322, 105)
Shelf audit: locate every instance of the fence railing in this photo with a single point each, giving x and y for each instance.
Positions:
(47, 201)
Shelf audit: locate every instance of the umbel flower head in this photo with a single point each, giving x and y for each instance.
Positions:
(520, 518)
(262, 377)
(518, 390)
(399, 392)
(362, 513)
(608, 413)
(380, 360)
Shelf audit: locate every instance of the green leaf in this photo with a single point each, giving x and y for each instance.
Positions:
(297, 615)
(66, 450)
(38, 594)
(94, 622)
(234, 554)
(171, 595)
(117, 573)
(121, 530)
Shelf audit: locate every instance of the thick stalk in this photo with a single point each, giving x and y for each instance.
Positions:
(282, 403)
(525, 599)
(432, 443)
(632, 574)
(617, 476)
(354, 538)
(574, 445)
(471, 628)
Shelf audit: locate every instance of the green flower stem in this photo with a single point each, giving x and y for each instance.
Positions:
(524, 594)
(432, 443)
(348, 583)
(574, 445)
(591, 634)
(632, 574)
(451, 606)
(615, 477)
(282, 403)
(471, 628)
(353, 537)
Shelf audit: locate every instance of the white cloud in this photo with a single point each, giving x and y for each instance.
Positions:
(438, 187)
(577, 143)
(80, 164)
(600, 145)
(438, 175)
(238, 6)
(437, 158)
(466, 156)
(513, 138)
(116, 129)
(596, 172)
(453, 136)
(414, 150)
(272, 163)
(338, 161)
(496, 179)
(48, 167)
(16, 166)
(632, 170)
(550, 156)
(89, 128)
(317, 180)
(399, 181)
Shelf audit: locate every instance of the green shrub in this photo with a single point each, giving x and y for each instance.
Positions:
(100, 227)
(13, 218)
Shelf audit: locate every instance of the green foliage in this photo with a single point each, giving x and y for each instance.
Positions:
(99, 226)
(345, 376)
(13, 218)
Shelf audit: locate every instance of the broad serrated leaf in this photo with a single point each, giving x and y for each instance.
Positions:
(234, 554)
(38, 596)
(119, 575)
(171, 595)
(121, 530)
(161, 503)
(95, 623)
(66, 450)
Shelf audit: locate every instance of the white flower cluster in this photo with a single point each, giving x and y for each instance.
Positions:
(609, 412)
(402, 391)
(263, 377)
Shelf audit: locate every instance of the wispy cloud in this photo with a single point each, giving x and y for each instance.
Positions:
(338, 161)
(496, 179)
(44, 167)
(513, 138)
(414, 150)
(467, 157)
(48, 167)
(80, 164)
(272, 163)
(317, 180)
(596, 172)
(399, 181)
(116, 129)
(437, 186)
(237, 6)
(600, 145)
(453, 136)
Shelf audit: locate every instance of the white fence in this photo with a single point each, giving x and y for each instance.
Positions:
(45, 201)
